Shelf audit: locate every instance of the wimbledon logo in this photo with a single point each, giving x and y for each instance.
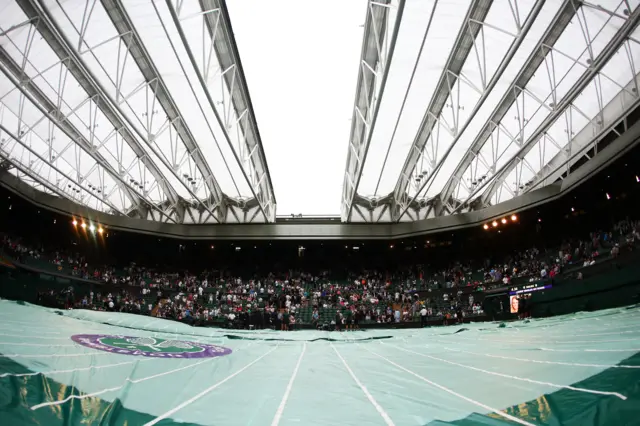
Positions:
(149, 346)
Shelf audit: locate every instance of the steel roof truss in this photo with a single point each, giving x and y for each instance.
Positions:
(234, 114)
(79, 71)
(7, 164)
(537, 57)
(53, 112)
(564, 107)
(59, 120)
(78, 183)
(443, 97)
(467, 40)
(125, 37)
(614, 113)
(377, 51)
(128, 34)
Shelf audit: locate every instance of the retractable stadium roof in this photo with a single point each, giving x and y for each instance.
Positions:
(142, 109)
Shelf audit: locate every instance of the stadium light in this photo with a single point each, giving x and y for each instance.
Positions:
(75, 222)
(83, 225)
(100, 230)
(495, 224)
(514, 217)
(485, 226)
(92, 228)
(608, 196)
(504, 221)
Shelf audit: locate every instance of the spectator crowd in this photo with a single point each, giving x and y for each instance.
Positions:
(284, 300)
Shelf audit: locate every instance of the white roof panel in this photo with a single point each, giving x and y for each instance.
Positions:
(535, 120)
(131, 106)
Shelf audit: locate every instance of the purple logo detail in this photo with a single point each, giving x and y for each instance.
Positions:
(149, 346)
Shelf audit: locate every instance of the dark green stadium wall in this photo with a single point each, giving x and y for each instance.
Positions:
(22, 283)
(607, 285)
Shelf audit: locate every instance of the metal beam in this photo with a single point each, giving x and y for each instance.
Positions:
(241, 100)
(122, 23)
(612, 115)
(563, 105)
(75, 183)
(222, 42)
(332, 229)
(49, 110)
(552, 34)
(79, 71)
(6, 160)
(109, 107)
(464, 43)
(426, 182)
(373, 71)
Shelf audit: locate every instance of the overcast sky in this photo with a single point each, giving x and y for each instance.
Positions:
(301, 63)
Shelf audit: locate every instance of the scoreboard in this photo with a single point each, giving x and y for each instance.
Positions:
(528, 288)
(524, 291)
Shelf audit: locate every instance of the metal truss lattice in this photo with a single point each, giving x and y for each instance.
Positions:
(525, 91)
(91, 110)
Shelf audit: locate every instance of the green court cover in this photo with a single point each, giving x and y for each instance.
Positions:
(98, 368)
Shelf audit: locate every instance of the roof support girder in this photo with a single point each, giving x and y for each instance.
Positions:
(22, 167)
(228, 56)
(110, 108)
(372, 74)
(120, 20)
(614, 113)
(26, 86)
(562, 106)
(17, 75)
(249, 154)
(7, 164)
(79, 71)
(564, 16)
(476, 14)
(403, 203)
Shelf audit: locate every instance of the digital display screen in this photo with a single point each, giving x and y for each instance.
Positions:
(529, 288)
(514, 304)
